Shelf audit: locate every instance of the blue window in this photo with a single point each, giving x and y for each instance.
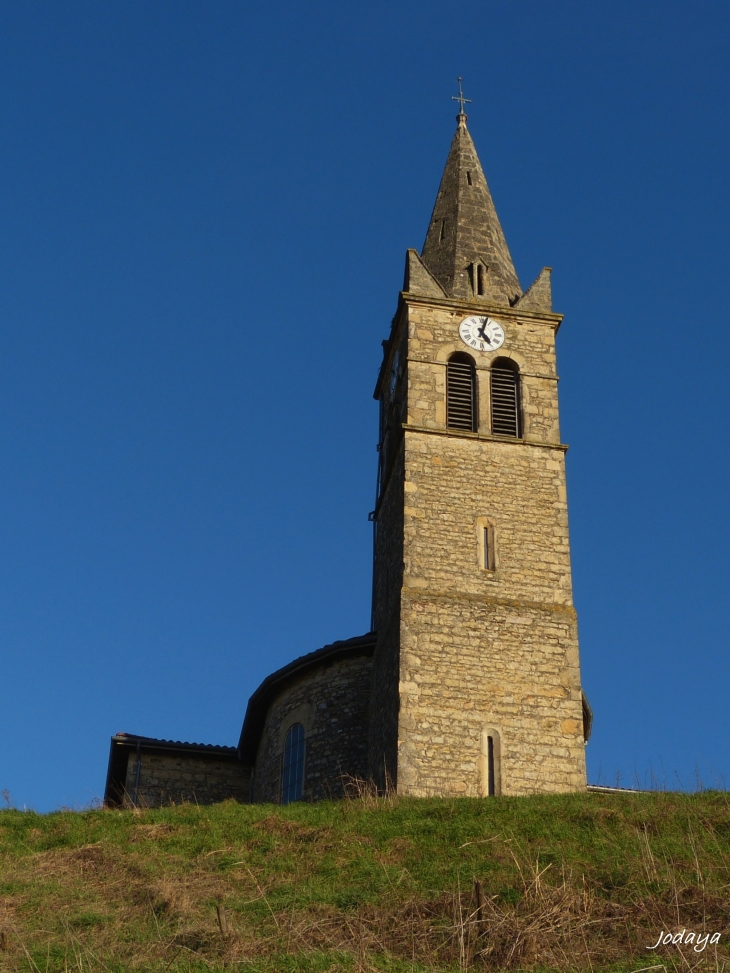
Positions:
(292, 776)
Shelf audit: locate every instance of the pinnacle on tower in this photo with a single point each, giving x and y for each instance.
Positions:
(465, 248)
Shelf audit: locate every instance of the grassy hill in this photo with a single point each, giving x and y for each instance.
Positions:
(570, 882)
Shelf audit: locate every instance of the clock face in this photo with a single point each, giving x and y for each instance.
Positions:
(481, 333)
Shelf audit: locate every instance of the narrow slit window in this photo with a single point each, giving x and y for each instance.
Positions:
(461, 392)
(491, 790)
(505, 388)
(490, 763)
(489, 559)
(292, 777)
(468, 178)
(480, 279)
(442, 231)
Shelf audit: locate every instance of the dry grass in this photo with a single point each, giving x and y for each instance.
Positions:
(575, 882)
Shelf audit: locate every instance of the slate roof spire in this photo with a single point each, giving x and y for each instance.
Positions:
(465, 234)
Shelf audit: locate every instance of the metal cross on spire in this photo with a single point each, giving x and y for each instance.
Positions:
(461, 99)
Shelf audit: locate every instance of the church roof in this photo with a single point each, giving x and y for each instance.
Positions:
(465, 231)
(154, 743)
(258, 704)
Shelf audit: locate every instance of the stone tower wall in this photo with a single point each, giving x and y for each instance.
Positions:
(485, 651)
(388, 573)
(387, 584)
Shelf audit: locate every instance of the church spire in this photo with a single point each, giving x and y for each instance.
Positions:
(465, 248)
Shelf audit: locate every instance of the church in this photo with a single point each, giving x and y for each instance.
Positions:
(469, 682)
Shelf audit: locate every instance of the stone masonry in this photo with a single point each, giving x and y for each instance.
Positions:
(166, 779)
(331, 702)
(479, 653)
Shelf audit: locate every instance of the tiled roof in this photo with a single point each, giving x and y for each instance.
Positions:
(132, 739)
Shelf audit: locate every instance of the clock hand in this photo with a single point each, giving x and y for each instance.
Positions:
(481, 334)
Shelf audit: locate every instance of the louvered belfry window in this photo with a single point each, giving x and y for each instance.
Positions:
(505, 398)
(461, 393)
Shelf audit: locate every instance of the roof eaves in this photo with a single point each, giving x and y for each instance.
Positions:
(153, 743)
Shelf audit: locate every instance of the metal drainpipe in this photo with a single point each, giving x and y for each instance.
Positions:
(137, 772)
(372, 596)
(371, 517)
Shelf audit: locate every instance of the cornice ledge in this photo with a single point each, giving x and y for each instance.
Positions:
(479, 308)
(432, 595)
(484, 437)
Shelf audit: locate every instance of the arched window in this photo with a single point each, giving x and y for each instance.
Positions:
(506, 398)
(461, 411)
(292, 777)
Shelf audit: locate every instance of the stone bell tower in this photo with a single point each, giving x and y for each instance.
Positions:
(476, 675)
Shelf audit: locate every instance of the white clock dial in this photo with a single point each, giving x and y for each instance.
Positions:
(481, 333)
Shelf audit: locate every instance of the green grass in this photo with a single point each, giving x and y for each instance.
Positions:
(569, 882)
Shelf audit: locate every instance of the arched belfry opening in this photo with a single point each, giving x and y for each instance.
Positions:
(461, 392)
(505, 398)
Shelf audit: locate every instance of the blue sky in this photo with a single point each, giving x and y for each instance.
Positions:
(204, 211)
